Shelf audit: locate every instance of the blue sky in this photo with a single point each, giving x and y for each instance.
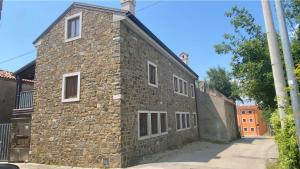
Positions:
(189, 26)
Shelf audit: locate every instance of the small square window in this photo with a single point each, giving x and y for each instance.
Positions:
(245, 129)
(250, 112)
(244, 120)
(251, 120)
(73, 27)
(70, 87)
(252, 129)
(243, 112)
(152, 74)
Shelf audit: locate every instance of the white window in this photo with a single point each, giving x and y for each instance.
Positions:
(73, 27)
(244, 120)
(152, 74)
(252, 128)
(251, 120)
(180, 86)
(71, 87)
(151, 124)
(182, 120)
(192, 91)
(245, 129)
(195, 122)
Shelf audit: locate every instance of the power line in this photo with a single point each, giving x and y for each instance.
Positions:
(16, 57)
(148, 6)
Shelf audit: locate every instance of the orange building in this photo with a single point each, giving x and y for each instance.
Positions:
(250, 121)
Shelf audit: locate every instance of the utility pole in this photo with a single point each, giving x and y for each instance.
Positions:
(277, 67)
(289, 64)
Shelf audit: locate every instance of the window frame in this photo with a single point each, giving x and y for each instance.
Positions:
(77, 98)
(178, 86)
(246, 129)
(156, 77)
(195, 119)
(243, 112)
(253, 129)
(244, 120)
(180, 116)
(149, 126)
(192, 90)
(251, 120)
(79, 29)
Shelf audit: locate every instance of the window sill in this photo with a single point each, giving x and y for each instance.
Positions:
(153, 85)
(72, 39)
(183, 129)
(152, 136)
(70, 100)
(180, 94)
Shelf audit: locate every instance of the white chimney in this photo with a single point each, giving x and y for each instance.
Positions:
(128, 5)
(184, 57)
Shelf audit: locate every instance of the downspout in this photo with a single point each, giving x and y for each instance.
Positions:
(197, 108)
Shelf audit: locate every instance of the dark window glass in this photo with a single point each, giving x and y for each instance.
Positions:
(185, 88)
(192, 91)
(245, 129)
(183, 121)
(250, 112)
(73, 27)
(175, 84)
(163, 122)
(195, 120)
(71, 87)
(154, 123)
(243, 112)
(152, 74)
(188, 120)
(143, 124)
(251, 120)
(180, 86)
(252, 129)
(178, 121)
(244, 120)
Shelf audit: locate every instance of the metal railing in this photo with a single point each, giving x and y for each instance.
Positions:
(25, 100)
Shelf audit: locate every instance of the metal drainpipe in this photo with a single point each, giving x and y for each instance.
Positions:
(197, 108)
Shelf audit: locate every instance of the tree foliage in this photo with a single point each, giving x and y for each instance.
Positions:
(250, 62)
(220, 79)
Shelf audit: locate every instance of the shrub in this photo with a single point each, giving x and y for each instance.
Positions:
(289, 157)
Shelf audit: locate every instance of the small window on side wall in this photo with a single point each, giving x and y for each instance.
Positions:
(73, 27)
(152, 74)
(71, 87)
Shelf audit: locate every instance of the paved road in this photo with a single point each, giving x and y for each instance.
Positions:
(246, 153)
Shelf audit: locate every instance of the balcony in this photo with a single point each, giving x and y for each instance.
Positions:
(23, 104)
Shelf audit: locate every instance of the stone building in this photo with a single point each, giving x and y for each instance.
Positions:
(108, 91)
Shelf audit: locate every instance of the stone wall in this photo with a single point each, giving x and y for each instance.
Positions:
(217, 117)
(138, 95)
(86, 132)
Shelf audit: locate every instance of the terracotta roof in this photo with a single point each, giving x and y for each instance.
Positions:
(9, 75)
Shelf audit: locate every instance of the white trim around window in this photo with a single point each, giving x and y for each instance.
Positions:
(195, 120)
(182, 89)
(252, 129)
(66, 26)
(185, 123)
(244, 120)
(156, 77)
(251, 120)
(192, 91)
(63, 97)
(149, 126)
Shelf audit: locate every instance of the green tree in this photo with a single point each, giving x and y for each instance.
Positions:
(220, 79)
(250, 62)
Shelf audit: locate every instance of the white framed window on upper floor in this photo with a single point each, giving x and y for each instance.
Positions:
(182, 121)
(252, 129)
(71, 87)
(192, 91)
(152, 124)
(245, 129)
(195, 121)
(251, 120)
(73, 26)
(152, 74)
(244, 120)
(180, 86)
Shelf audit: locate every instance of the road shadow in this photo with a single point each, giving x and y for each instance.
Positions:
(8, 166)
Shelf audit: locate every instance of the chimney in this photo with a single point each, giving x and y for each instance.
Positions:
(184, 57)
(128, 5)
